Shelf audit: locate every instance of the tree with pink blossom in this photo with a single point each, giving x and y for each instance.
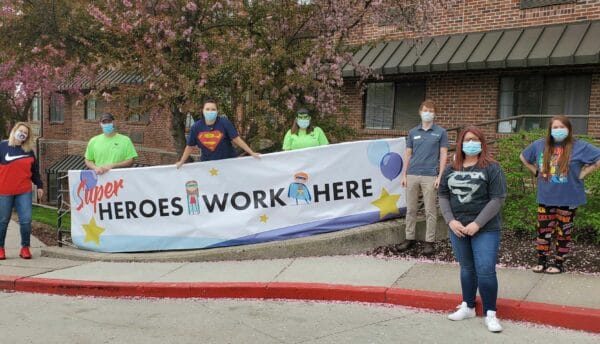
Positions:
(39, 51)
(260, 58)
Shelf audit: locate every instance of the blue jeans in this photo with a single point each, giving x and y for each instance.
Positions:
(22, 203)
(477, 256)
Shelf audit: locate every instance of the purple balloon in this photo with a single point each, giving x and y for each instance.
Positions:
(90, 178)
(391, 165)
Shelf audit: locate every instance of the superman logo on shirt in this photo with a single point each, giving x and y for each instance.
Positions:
(210, 139)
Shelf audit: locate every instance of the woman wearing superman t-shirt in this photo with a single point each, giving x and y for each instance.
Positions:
(213, 134)
(18, 169)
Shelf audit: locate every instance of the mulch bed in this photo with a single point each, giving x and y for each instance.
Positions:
(517, 249)
(47, 234)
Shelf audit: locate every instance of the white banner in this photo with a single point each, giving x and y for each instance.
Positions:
(238, 201)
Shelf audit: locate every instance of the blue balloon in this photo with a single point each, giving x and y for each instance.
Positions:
(376, 150)
(391, 165)
(90, 178)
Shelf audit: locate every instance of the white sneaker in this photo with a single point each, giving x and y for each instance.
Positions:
(463, 312)
(492, 322)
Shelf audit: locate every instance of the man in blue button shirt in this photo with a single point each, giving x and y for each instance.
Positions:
(426, 155)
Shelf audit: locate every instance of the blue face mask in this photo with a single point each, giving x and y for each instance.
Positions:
(471, 147)
(210, 116)
(427, 116)
(303, 123)
(559, 134)
(107, 128)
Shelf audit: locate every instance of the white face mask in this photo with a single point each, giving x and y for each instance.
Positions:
(20, 135)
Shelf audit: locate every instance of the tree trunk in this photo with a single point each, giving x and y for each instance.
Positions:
(178, 127)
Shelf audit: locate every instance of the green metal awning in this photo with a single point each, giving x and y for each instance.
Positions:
(553, 45)
(70, 162)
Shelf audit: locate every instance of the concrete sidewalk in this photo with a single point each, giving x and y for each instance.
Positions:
(567, 300)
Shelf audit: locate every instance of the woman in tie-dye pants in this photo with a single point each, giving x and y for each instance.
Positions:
(554, 229)
(560, 162)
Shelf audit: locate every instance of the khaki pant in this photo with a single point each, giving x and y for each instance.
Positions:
(415, 184)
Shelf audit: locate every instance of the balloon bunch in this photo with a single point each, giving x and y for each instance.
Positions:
(389, 163)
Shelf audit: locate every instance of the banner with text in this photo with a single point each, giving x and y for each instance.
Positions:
(238, 201)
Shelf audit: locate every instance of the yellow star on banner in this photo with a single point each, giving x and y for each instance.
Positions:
(92, 232)
(213, 171)
(264, 218)
(386, 203)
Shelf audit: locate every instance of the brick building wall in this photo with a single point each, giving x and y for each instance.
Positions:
(461, 98)
(487, 15)
(70, 137)
(472, 97)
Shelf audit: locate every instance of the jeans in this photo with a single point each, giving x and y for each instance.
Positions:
(22, 203)
(477, 256)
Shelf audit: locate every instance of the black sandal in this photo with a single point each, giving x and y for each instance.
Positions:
(556, 268)
(541, 265)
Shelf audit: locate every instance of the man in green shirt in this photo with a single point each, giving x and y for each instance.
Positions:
(110, 149)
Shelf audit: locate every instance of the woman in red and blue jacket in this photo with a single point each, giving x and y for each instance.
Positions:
(18, 169)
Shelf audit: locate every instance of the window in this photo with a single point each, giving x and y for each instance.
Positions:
(544, 95)
(134, 104)
(52, 188)
(94, 107)
(540, 3)
(393, 105)
(57, 107)
(36, 108)
(189, 121)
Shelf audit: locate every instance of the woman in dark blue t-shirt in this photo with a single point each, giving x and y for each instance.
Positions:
(471, 194)
(560, 162)
(213, 135)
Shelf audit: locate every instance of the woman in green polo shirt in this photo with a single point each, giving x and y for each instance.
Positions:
(303, 134)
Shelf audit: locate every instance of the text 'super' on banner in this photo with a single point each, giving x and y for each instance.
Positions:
(238, 201)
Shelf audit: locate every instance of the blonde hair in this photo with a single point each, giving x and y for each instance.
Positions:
(27, 145)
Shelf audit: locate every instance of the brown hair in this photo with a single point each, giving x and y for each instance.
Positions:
(27, 146)
(295, 126)
(485, 157)
(429, 103)
(563, 162)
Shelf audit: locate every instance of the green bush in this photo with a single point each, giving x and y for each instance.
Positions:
(520, 210)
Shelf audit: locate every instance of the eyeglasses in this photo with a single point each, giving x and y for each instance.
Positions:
(303, 116)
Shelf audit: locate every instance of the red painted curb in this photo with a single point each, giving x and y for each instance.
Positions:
(422, 299)
(74, 287)
(329, 292)
(578, 318)
(230, 290)
(8, 282)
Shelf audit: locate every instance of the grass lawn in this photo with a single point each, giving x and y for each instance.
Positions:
(49, 216)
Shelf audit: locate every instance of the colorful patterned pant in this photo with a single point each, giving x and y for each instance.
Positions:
(554, 229)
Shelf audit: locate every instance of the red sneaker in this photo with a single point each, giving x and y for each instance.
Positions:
(25, 254)
(2, 254)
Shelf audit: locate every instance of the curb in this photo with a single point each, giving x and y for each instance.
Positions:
(577, 318)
